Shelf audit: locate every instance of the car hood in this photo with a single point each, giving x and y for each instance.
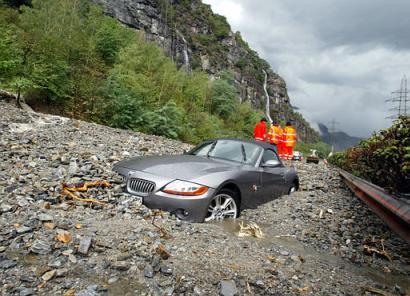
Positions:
(183, 167)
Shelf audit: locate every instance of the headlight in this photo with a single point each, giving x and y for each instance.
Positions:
(178, 187)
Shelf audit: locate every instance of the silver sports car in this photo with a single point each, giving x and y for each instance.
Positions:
(213, 181)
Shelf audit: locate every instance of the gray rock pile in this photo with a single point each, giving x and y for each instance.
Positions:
(53, 245)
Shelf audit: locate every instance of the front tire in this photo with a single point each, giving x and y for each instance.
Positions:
(224, 205)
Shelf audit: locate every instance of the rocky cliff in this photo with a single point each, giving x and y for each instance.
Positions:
(197, 39)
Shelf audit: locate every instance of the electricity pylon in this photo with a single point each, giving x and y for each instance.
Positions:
(400, 100)
(332, 129)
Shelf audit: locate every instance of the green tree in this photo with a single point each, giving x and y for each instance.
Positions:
(224, 96)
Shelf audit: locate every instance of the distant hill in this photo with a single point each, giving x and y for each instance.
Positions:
(340, 140)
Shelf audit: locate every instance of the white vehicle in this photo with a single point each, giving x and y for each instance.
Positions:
(297, 155)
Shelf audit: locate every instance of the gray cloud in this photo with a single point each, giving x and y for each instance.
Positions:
(340, 59)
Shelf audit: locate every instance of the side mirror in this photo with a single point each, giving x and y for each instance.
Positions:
(271, 163)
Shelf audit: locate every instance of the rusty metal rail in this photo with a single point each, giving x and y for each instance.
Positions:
(393, 211)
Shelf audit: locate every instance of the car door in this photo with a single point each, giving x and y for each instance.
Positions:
(272, 179)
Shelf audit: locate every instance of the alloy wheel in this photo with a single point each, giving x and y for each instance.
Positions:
(222, 206)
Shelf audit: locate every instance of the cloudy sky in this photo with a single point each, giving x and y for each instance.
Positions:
(340, 58)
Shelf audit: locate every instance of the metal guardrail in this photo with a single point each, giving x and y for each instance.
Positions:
(393, 211)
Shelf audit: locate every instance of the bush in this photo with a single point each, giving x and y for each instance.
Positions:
(166, 121)
(224, 96)
(219, 26)
(67, 57)
(383, 159)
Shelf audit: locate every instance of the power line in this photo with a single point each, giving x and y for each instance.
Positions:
(333, 124)
(400, 101)
(332, 130)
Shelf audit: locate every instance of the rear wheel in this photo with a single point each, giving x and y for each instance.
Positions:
(224, 205)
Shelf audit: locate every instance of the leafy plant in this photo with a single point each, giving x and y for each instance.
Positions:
(383, 159)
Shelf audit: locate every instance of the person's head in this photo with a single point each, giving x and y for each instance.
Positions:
(288, 123)
(275, 123)
(263, 120)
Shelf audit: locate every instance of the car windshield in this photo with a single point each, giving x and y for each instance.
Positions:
(237, 151)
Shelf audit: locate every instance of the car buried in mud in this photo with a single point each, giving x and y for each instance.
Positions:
(215, 180)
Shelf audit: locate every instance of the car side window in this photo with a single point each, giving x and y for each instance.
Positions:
(269, 155)
(203, 150)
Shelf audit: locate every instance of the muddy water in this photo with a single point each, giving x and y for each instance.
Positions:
(313, 257)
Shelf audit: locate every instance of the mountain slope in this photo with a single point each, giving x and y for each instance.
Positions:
(198, 39)
(340, 140)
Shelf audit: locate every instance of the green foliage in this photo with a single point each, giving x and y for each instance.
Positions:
(15, 3)
(219, 26)
(165, 121)
(66, 55)
(120, 107)
(109, 38)
(224, 97)
(11, 54)
(383, 159)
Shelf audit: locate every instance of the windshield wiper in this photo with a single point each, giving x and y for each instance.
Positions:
(243, 153)
(211, 149)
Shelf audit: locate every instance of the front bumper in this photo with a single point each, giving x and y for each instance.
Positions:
(190, 208)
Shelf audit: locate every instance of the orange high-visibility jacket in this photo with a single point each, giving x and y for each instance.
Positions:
(259, 133)
(275, 134)
(289, 136)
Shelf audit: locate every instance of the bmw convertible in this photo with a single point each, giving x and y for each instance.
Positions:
(215, 180)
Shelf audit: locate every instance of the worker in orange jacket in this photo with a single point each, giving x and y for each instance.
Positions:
(275, 137)
(259, 133)
(289, 137)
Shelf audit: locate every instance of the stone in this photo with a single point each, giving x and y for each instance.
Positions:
(227, 288)
(27, 292)
(166, 270)
(11, 188)
(148, 271)
(67, 252)
(49, 275)
(61, 272)
(89, 291)
(72, 168)
(72, 258)
(121, 265)
(85, 245)
(23, 229)
(259, 283)
(112, 280)
(6, 264)
(56, 263)
(94, 158)
(5, 208)
(22, 202)
(40, 247)
(45, 218)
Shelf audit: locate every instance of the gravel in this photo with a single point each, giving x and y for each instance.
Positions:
(313, 239)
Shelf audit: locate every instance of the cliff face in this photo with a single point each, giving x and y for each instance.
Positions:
(196, 38)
